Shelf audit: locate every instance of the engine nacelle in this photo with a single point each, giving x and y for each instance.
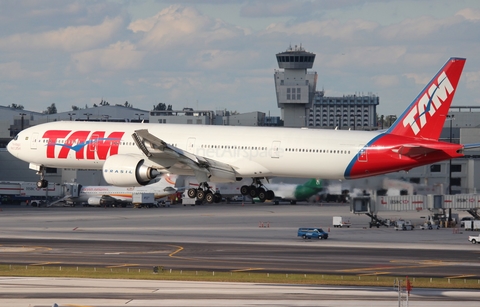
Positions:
(94, 201)
(128, 171)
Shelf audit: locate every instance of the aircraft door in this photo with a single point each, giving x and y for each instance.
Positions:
(191, 145)
(92, 147)
(362, 154)
(34, 140)
(275, 150)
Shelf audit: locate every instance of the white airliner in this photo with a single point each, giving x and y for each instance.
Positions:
(134, 153)
(109, 195)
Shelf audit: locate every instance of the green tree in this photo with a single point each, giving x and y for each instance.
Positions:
(52, 109)
(160, 107)
(75, 108)
(127, 105)
(16, 106)
(385, 121)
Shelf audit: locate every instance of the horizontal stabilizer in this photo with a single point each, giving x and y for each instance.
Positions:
(471, 146)
(413, 150)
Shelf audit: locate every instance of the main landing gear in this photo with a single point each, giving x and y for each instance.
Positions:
(257, 189)
(204, 193)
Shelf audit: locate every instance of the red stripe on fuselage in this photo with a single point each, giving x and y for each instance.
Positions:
(380, 156)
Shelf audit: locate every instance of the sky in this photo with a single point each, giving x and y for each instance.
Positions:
(217, 55)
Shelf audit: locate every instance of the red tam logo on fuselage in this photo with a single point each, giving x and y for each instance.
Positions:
(429, 103)
(86, 144)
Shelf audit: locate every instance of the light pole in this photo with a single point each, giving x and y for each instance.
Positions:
(21, 123)
(451, 117)
(71, 115)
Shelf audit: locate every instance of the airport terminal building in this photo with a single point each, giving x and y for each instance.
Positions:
(347, 112)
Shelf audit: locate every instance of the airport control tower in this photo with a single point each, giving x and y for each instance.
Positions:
(295, 87)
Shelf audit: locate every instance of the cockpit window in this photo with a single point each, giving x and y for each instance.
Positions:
(15, 138)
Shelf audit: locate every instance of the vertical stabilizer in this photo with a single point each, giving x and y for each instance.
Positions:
(425, 116)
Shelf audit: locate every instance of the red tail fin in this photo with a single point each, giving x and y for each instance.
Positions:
(426, 115)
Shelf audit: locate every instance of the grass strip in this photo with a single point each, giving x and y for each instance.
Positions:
(466, 282)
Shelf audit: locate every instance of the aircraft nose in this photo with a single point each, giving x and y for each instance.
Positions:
(13, 147)
(9, 147)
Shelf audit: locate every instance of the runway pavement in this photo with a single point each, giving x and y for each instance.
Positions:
(232, 237)
(43, 292)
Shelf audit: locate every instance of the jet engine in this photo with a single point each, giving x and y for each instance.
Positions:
(101, 201)
(128, 171)
(94, 201)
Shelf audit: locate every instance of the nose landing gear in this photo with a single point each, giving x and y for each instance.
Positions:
(42, 183)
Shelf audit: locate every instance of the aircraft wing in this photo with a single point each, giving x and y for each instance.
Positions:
(204, 168)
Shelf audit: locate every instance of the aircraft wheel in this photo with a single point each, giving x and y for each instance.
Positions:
(253, 191)
(192, 193)
(209, 197)
(262, 195)
(42, 183)
(200, 195)
(270, 195)
(245, 190)
(217, 198)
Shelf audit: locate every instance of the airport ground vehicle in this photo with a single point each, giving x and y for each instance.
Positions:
(339, 221)
(16, 192)
(189, 201)
(37, 202)
(428, 225)
(467, 218)
(403, 225)
(309, 233)
(474, 239)
(471, 224)
(144, 200)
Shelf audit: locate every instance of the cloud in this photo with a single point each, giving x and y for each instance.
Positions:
(68, 39)
(472, 80)
(469, 14)
(182, 27)
(386, 80)
(179, 54)
(332, 29)
(15, 71)
(257, 9)
(118, 56)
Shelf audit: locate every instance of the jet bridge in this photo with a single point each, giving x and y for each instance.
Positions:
(438, 205)
(365, 205)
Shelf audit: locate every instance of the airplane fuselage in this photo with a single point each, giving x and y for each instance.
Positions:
(252, 151)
